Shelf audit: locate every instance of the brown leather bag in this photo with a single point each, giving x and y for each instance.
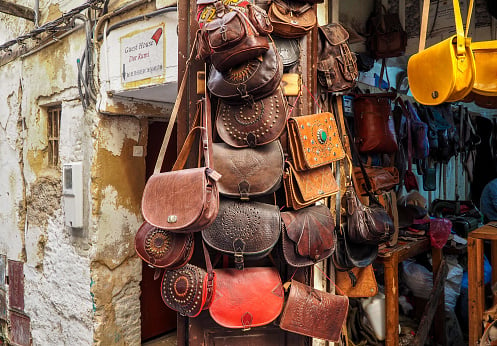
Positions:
(314, 313)
(381, 179)
(308, 235)
(357, 282)
(337, 68)
(247, 125)
(163, 249)
(189, 289)
(289, 51)
(314, 140)
(291, 19)
(244, 230)
(303, 188)
(249, 172)
(374, 130)
(247, 298)
(232, 37)
(248, 82)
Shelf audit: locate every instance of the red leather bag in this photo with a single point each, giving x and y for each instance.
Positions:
(247, 298)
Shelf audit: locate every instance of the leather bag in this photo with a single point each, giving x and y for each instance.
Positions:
(357, 282)
(349, 255)
(233, 38)
(314, 140)
(163, 249)
(246, 125)
(249, 172)
(485, 55)
(304, 188)
(247, 298)
(444, 72)
(337, 67)
(289, 51)
(308, 235)
(189, 289)
(244, 230)
(374, 133)
(314, 313)
(381, 179)
(250, 81)
(291, 19)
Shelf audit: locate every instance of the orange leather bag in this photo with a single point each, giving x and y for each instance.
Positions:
(357, 282)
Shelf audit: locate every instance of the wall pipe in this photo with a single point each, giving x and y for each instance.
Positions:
(37, 13)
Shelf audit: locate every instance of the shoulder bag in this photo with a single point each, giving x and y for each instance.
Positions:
(244, 230)
(289, 51)
(248, 172)
(247, 298)
(381, 178)
(357, 282)
(291, 19)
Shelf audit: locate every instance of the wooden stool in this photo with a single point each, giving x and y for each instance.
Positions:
(390, 258)
(476, 282)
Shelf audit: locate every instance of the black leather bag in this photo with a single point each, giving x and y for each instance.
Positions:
(349, 255)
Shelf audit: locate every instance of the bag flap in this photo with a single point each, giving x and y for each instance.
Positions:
(288, 50)
(296, 15)
(249, 171)
(314, 183)
(221, 21)
(334, 33)
(357, 282)
(174, 200)
(311, 229)
(317, 139)
(247, 298)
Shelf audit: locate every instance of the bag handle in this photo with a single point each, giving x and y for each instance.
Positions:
(407, 114)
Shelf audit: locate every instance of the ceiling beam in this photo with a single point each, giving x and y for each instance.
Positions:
(17, 10)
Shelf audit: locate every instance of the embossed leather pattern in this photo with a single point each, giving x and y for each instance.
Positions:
(163, 249)
(289, 51)
(244, 229)
(308, 235)
(248, 172)
(188, 290)
(247, 298)
(250, 81)
(314, 140)
(357, 282)
(248, 125)
(314, 313)
(307, 187)
(291, 19)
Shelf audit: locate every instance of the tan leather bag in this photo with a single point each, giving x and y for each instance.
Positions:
(291, 19)
(357, 282)
(314, 140)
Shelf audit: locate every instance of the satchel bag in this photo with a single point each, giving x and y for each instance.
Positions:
(357, 282)
(303, 188)
(248, 172)
(250, 81)
(308, 235)
(247, 125)
(314, 313)
(289, 51)
(247, 298)
(189, 289)
(374, 133)
(381, 179)
(163, 249)
(291, 19)
(350, 255)
(485, 55)
(314, 140)
(232, 38)
(444, 72)
(337, 67)
(244, 230)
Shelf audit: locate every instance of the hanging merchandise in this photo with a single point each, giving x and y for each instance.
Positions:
(337, 68)
(314, 313)
(349, 255)
(248, 172)
(357, 282)
(244, 230)
(249, 82)
(308, 235)
(289, 51)
(247, 298)
(251, 125)
(291, 19)
(444, 72)
(382, 179)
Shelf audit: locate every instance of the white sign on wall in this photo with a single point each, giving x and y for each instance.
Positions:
(143, 56)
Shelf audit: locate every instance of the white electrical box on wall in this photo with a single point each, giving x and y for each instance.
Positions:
(72, 191)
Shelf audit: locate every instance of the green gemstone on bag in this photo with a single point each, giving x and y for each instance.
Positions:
(322, 136)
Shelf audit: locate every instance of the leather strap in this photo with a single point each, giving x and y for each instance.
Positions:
(406, 113)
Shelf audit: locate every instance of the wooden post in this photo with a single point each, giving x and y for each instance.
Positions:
(17, 10)
(392, 300)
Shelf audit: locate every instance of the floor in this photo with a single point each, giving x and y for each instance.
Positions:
(165, 340)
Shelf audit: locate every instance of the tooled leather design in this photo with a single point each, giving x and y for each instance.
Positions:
(289, 51)
(157, 242)
(255, 225)
(314, 313)
(315, 183)
(182, 289)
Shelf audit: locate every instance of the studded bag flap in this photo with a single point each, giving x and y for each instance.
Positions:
(247, 298)
(251, 125)
(245, 230)
(314, 140)
(291, 19)
(314, 313)
(249, 172)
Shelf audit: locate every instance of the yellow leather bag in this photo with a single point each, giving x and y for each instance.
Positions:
(444, 72)
(485, 55)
